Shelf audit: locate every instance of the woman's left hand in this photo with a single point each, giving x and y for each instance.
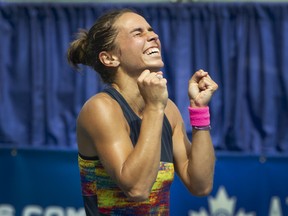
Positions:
(201, 88)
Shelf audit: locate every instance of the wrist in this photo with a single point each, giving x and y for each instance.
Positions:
(200, 118)
(208, 127)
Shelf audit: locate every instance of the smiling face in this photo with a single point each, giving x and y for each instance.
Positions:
(138, 45)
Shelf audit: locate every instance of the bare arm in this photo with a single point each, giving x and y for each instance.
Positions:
(194, 161)
(133, 168)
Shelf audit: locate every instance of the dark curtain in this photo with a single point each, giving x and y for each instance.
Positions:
(244, 46)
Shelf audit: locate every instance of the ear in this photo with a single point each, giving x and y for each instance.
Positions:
(108, 59)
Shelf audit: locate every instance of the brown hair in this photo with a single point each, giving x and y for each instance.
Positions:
(86, 47)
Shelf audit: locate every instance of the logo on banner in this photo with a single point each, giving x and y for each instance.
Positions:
(221, 205)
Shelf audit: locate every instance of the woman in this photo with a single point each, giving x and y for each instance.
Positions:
(130, 136)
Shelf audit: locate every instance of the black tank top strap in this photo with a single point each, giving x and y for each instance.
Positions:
(127, 110)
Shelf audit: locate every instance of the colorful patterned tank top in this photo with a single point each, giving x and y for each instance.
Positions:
(101, 194)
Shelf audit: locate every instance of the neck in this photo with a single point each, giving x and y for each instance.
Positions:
(130, 91)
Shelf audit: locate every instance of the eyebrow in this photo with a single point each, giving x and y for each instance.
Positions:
(141, 29)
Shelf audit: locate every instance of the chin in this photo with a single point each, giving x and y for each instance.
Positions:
(155, 68)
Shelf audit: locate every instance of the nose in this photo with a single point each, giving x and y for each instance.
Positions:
(152, 36)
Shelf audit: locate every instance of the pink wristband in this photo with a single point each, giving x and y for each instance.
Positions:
(199, 116)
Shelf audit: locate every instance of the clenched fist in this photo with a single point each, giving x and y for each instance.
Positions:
(153, 88)
(201, 88)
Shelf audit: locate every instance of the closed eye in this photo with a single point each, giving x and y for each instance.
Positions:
(137, 34)
(136, 31)
(140, 31)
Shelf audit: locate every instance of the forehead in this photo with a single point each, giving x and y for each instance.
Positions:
(130, 20)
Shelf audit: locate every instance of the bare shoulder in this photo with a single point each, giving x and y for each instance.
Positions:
(99, 104)
(100, 115)
(101, 110)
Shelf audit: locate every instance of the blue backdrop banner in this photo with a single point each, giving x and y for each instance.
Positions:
(46, 183)
(244, 47)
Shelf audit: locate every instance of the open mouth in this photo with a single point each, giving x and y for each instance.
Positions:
(152, 51)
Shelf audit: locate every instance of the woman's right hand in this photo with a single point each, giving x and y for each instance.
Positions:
(153, 88)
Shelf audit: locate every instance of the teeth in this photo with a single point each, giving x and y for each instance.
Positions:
(152, 50)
